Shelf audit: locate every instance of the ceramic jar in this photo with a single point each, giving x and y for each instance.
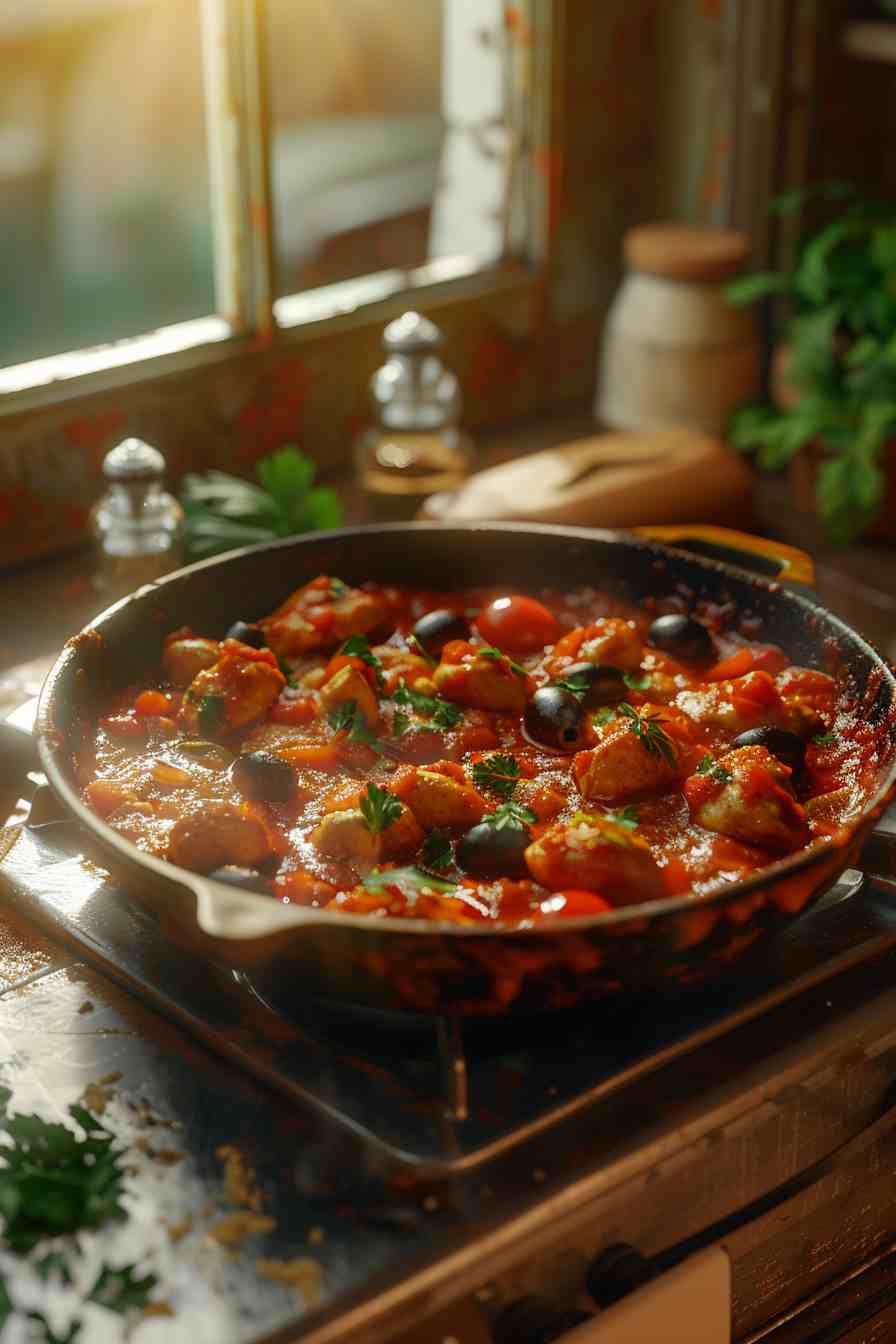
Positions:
(676, 353)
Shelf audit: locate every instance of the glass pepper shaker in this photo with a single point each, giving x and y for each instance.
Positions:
(136, 525)
(416, 447)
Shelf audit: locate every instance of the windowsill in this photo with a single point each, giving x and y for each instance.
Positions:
(50, 600)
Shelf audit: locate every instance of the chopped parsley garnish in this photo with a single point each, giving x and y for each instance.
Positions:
(487, 651)
(649, 731)
(824, 740)
(510, 815)
(442, 713)
(122, 1290)
(498, 774)
(578, 683)
(636, 683)
(356, 646)
(211, 712)
(348, 718)
(626, 819)
(400, 723)
(338, 589)
(604, 715)
(712, 769)
(409, 881)
(436, 852)
(379, 808)
(53, 1181)
(284, 668)
(415, 646)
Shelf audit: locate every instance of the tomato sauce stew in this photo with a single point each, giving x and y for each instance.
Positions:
(477, 755)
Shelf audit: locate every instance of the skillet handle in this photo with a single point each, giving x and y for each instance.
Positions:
(771, 558)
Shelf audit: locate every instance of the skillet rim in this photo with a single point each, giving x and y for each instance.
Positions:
(201, 886)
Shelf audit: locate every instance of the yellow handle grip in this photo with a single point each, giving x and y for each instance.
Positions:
(794, 565)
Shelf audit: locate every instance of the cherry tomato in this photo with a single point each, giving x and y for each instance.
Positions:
(574, 903)
(517, 624)
(150, 704)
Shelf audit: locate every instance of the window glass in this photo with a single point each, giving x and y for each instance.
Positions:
(104, 203)
(388, 146)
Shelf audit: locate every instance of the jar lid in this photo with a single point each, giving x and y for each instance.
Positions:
(686, 252)
(133, 460)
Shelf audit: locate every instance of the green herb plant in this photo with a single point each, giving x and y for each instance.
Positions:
(841, 333)
(442, 713)
(379, 808)
(347, 718)
(510, 816)
(648, 729)
(223, 511)
(713, 769)
(497, 774)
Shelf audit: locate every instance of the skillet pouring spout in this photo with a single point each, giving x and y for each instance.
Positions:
(425, 967)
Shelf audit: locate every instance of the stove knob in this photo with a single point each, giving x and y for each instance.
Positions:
(616, 1272)
(535, 1320)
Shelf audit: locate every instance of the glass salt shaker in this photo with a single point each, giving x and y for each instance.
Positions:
(136, 525)
(416, 447)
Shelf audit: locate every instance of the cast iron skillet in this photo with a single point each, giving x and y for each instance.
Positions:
(429, 968)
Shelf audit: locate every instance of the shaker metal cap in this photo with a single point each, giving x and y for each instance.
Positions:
(133, 460)
(410, 333)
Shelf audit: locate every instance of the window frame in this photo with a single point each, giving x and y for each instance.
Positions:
(249, 319)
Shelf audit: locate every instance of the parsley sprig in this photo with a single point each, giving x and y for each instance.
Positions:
(649, 731)
(436, 851)
(824, 740)
(714, 770)
(53, 1181)
(409, 881)
(497, 774)
(356, 646)
(635, 682)
(626, 819)
(488, 651)
(511, 815)
(348, 718)
(379, 808)
(211, 712)
(442, 713)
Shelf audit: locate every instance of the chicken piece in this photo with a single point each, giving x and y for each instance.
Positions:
(217, 834)
(483, 680)
(345, 835)
(748, 796)
(634, 755)
(347, 686)
(321, 614)
(594, 853)
(440, 796)
(240, 688)
(185, 656)
(610, 640)
(745, 702)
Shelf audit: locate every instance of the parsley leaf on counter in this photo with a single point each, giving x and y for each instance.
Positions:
(510, 815)
(379, 808)
(121, 1290)
(498, 774)
(713, 770)
(436, 852)
(223, 511)
(54, 1182)
(442, 712)
(347, 718)
(356, 646)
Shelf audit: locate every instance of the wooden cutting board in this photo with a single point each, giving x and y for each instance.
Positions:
(608, 480)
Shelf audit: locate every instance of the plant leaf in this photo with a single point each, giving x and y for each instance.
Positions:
(748, 288)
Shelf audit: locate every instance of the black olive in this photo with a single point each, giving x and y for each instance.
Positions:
(489, 851)
(246, 879)
(554, 718)
(602, 684)
(437, 628)
(787, 746)
(683, 637)
(263, 776)
(252, 635)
